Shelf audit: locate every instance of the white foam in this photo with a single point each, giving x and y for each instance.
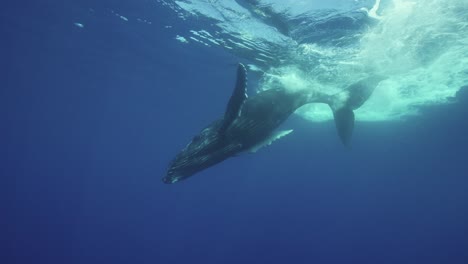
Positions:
(421, 45)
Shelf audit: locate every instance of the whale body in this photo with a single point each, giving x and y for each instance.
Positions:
(250, 123)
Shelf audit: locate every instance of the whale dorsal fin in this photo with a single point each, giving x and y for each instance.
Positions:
(237, 99)
(269, 140)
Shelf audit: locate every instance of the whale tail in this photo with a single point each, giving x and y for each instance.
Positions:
(351, 98)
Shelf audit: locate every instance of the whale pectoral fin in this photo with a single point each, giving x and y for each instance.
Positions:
(269, 140)
(238, 97)
(344, 121)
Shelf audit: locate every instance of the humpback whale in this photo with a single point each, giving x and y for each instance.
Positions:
(250, 123)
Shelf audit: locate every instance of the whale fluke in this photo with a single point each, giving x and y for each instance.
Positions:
(344, 121)
(344, 102)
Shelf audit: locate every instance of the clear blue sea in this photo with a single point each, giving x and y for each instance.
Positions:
(97, 97)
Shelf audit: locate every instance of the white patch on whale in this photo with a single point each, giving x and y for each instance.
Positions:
(269, 140)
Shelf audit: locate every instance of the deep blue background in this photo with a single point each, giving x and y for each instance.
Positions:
(91, 116)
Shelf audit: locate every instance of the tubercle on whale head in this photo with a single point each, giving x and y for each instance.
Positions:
(185, 165)
(170, 178)
(203, 151)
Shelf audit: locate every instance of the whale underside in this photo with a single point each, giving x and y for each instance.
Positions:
(251, 122)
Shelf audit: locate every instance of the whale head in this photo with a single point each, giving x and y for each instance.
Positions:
(204, 150)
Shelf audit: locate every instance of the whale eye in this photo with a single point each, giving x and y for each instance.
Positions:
(196, 138)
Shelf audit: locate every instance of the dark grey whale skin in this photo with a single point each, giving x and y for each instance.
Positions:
(248, 122)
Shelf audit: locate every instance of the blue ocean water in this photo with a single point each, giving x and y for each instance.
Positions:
(97, 98)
